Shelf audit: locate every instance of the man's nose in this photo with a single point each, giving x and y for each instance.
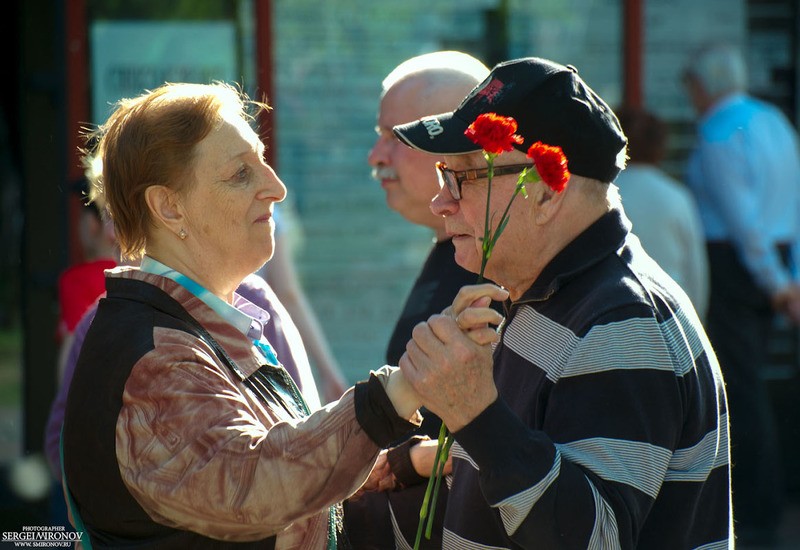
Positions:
(379, 154)
(443, 203)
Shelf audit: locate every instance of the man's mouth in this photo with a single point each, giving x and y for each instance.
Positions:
(457, 235)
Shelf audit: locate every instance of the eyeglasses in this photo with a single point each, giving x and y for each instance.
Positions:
(453, 179)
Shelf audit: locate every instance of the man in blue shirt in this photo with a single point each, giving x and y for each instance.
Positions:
(745, 174)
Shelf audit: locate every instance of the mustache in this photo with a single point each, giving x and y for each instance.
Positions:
(384, 173)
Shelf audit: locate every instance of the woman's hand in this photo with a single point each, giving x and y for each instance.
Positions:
(380, 478)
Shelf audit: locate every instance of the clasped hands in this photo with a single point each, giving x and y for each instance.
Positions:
(448, 361)
(448, 368)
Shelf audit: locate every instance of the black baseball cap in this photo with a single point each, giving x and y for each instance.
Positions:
(551, 104)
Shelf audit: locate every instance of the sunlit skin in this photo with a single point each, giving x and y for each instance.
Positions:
(513, 258)
(540, 226)
(225, 210)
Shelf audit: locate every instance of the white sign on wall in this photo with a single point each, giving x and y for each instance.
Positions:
(131, 57)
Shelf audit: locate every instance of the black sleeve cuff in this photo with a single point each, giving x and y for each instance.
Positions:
(376, 414)
(399, 458)
(491, 434)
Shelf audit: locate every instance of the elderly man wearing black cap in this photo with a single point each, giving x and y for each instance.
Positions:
(599, 420)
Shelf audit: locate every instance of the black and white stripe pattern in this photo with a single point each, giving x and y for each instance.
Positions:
(611, 428)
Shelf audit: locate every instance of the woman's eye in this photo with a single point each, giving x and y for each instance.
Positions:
(242, 175)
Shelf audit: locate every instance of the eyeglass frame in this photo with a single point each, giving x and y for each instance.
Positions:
(453, 179)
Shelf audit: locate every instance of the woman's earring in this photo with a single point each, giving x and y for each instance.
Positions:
(182, 233)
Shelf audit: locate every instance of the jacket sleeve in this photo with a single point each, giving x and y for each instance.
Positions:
(199, 452)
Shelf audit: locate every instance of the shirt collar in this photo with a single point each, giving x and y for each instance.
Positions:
(605, 236)
(721, 105)
(248, 318)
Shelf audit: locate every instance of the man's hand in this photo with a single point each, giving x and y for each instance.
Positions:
(449, 359)
(422, 456)
(471, 311)
(787, 302)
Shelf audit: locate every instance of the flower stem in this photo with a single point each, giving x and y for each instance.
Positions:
(485, 246)
(445, 442)
(443, 453)
(424, 513)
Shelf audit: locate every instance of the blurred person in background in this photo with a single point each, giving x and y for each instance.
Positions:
(745, 174)
(420, 86)
(79, 288)
(81, 283)
(663, 211)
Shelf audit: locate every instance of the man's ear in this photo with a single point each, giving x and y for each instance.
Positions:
(165, 207)
(546, 202)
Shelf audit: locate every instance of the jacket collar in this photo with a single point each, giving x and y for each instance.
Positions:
(171, 297)
(248, 318)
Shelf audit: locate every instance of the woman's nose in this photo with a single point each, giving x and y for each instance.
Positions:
(272, 186)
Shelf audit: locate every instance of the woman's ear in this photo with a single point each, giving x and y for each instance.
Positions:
(165, 208)
(546, 202)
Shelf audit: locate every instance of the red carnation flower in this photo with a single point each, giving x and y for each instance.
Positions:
(551, 163)
(494, 133)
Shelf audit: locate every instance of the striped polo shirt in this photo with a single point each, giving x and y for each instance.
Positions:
(611, 429)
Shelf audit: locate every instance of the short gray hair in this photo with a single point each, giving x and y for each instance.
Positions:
(460, 65)
(719, 68)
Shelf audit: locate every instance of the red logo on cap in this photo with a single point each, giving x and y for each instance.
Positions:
(491, 90)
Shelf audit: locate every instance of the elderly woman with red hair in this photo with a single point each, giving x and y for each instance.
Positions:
(182, 428)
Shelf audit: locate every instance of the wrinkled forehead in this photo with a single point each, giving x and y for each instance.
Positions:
(230, 129)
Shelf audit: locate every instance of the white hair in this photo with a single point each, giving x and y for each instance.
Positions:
(450, 63)
(720, 69)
